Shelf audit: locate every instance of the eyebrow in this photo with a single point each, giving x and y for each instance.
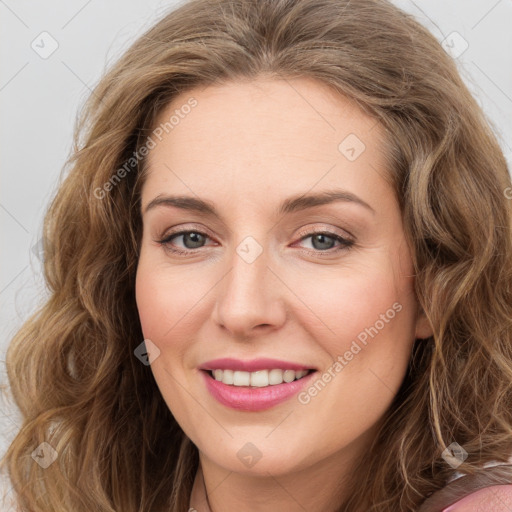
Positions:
(290, 205)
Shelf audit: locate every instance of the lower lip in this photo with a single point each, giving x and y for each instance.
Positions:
(246, 398)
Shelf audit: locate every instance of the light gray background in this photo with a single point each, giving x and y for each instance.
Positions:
(39, 99)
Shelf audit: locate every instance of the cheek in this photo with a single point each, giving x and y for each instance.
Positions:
(153, 303)
(370, 319)
(365, 321)
(166, 301)
(165, 308)
(346, 305)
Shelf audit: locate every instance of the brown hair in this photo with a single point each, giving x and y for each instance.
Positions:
(71, 366)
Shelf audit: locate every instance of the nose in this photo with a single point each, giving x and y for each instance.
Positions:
(250, 298)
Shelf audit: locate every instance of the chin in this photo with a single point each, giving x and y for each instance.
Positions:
(262, 457)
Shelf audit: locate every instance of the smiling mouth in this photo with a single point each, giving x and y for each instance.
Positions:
(258, 379)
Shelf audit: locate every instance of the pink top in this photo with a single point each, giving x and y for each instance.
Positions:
(497, 498)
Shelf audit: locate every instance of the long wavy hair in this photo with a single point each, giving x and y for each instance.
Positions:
(71, 367)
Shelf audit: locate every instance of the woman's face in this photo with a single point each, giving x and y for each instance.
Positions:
(294, 251)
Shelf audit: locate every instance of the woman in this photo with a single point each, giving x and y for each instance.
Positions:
(202, 349)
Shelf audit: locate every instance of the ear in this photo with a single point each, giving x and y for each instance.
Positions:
(423, 327)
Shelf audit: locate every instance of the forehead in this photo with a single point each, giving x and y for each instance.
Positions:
(262, 136)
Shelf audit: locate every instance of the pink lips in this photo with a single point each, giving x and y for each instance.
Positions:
(227, 363)
(246, 398)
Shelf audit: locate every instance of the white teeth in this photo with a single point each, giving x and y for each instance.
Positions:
(275, 377)
(289, 375)
(259, 379)
(241, 378)
(227, 376)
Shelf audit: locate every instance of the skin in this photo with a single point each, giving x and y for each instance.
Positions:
(246, 147)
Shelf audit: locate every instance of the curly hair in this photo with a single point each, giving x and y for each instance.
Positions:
(71, 367)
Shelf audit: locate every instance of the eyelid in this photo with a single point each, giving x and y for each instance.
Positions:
(327, 230)
(185, 229)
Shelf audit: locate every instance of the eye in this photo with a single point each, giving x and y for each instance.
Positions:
(321, 242)
(190, 239)
(324, 241)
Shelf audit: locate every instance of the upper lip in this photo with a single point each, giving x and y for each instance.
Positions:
(253, 365)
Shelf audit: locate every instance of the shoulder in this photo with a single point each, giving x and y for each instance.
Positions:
(487, 490)
(497, 498)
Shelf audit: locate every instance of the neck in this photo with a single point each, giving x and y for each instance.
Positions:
(319, 488)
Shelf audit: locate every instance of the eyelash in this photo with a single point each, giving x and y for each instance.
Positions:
(346, 243)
